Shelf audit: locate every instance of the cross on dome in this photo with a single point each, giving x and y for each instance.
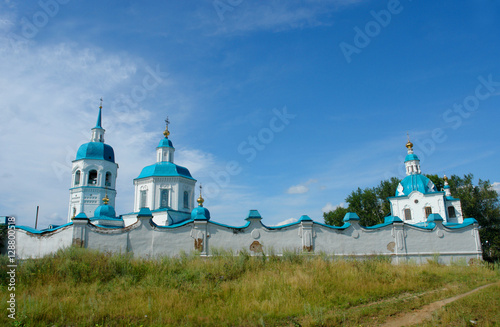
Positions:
(166, 132)
(200, 199)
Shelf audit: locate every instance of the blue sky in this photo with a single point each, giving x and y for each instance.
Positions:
(304, 100)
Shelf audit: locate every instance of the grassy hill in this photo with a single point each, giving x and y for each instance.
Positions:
(78, 287)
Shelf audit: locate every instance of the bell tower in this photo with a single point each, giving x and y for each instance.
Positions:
(94, 173)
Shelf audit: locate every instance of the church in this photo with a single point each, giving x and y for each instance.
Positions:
(424, 221)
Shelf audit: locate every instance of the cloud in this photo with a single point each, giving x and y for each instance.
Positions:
(297, 189)
(301, 188)
(273, 15)
(49, 97)
(330, 207)
(496, 186)
(285, 222)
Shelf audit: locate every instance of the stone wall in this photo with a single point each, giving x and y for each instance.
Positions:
(146, 239)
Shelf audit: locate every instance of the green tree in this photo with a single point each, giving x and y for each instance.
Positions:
(335, 217)
(370, 204)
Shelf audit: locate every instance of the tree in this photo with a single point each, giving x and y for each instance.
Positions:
(478, 201)
(335, 217)
(370, 204)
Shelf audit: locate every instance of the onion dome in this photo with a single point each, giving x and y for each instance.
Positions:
(200, 213)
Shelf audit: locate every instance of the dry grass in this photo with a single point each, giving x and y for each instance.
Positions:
(78, 287)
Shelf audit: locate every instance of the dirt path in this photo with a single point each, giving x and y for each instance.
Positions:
(426, 311)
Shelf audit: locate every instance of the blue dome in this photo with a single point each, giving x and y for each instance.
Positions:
(165, 143)
(96, 150)
(105, 211)
(415, 182)
(200, 213)
(410, 157)
(164, 169)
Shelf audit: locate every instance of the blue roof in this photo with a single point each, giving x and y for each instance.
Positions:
(410, 157)
(416, 182)
(98, 124)
(104, 211)
(200, 213)
(96, 150)
(165, 143)
(165, 169)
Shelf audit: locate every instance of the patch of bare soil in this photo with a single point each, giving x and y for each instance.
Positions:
(425, 313)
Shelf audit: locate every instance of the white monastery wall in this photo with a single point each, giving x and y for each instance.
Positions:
(146, 239)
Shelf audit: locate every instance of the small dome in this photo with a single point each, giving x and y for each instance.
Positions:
(164, 168)
(165, 143)
(415, 182)
(200, 213)
(105, 211)
(96, 150)
(410, 157)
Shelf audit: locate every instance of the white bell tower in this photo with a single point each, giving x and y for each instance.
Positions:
(94, 174)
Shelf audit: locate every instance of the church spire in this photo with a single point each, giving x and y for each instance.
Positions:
(98, 131)
(98, 125)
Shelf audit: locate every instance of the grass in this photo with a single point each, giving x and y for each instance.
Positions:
(79, 287)
(479, 308)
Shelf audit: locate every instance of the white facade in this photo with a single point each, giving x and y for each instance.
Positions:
(164, 187)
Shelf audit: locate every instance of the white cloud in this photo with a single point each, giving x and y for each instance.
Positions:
(285, 222)
(301, 188)
(274, 15)
(496, 186)
(330, 207)
(297, 189)
(48, 98)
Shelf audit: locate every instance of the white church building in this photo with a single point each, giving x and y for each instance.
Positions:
(424, 221)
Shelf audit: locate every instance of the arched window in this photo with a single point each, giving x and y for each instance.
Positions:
(407, 214)
(92, 177)
(77, 177)
(144, 198)
(428, 211)
(451, 212)
(164, 198)
(186, 199)
(108, 179)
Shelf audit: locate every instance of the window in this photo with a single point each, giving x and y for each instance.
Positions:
(144, 198)
(407, 214)
(164, 199)
(451, 212)
(108, 179)
(428, 211)
(77, 177)
(92, 177)
(186, 199)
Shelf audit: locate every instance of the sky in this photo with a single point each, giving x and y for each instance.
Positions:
(280, 106)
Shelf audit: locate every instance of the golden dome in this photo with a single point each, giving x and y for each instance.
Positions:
(409, 145)
(200, 201)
